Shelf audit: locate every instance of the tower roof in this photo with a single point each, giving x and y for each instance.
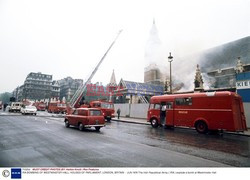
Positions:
(112, 79)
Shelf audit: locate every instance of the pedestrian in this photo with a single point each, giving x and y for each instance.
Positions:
(4, 106)
(118, 113)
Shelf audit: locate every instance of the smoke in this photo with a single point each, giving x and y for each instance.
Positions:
(184, 67)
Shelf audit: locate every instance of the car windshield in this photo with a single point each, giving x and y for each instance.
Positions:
(61, 105)
(107, 105)
(30, 107)
(95, 113)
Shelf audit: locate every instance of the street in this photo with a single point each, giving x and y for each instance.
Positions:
(31, 141)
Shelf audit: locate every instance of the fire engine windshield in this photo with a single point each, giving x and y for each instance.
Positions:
(61, 105)
(107, 106)
(95, 113)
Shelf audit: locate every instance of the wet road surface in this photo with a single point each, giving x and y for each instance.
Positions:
(30, 141)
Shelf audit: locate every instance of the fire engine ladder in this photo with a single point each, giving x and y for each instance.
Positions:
(143, 99)
(79, 93)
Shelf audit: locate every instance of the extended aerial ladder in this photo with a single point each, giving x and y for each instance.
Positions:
(77, 97)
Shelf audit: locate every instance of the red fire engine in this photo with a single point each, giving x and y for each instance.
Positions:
(106, 107)
(40, 106)
(204, 111)
(77, 99)
(57, 107)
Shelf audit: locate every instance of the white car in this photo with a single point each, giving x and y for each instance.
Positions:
(29, 110)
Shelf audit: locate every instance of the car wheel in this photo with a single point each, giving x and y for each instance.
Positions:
(97, 128)
(154, 123)
(80, 127)
(201, 127)
(66, 123)
(35, 114)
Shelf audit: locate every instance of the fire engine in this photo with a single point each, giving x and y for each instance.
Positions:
(106, 107)
(57, 107)
(75, 105)
(40, 106)
(202, 111)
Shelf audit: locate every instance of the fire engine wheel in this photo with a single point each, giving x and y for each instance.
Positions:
(97, 128)
(80, 127)
(201, 127)
(154, 123)
(66, 123)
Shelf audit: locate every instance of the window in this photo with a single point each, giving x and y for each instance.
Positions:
(83, 112)
(107, 106)
(183, 101)
(157, 106)
(75, 112)
(154, 106)
(97, 105)
(169, 105)
(151, 106)
(95, 113)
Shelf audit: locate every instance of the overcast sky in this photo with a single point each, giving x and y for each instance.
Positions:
(68, 38)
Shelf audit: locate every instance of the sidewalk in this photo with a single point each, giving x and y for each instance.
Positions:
(144, 122)
(131, 120)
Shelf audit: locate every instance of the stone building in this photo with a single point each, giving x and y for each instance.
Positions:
(55, 92)
(155, 65)
(198, 80)
(68, 87)
(226, 77)
(36, 86)
(135, 92)
(112, 86)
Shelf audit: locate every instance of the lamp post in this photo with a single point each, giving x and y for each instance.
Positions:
(170, 59)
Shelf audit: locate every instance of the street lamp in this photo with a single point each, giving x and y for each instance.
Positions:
(170, 59)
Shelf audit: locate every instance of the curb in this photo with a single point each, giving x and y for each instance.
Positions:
(132, 122)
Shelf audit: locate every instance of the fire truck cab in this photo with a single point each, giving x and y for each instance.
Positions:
(57, 107)
(106, 107)
(40, 106)
(203, 111)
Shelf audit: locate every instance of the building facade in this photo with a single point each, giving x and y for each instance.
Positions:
(135, 92)
(226, 77)
(155, 65)
(68, 87)
(36, 86)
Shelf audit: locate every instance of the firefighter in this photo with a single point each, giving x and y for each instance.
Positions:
(163, 114)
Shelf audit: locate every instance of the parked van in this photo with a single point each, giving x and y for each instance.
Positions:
(203, 111)
(15, 107)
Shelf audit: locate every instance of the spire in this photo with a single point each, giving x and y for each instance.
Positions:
(239, 66)
(112, 79)
(198, 81)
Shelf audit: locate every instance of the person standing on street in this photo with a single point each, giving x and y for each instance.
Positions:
(118, 113)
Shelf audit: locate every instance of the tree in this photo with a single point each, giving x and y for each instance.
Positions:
(5, 97)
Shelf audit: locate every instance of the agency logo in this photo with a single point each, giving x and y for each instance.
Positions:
(6, 173)
(16, 173)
